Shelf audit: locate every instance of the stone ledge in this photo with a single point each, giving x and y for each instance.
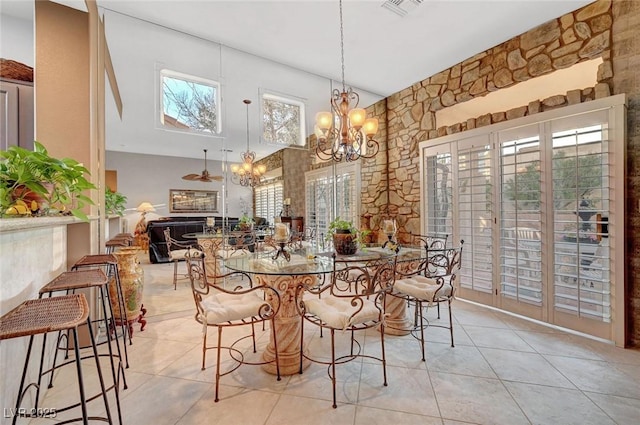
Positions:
(25, 223)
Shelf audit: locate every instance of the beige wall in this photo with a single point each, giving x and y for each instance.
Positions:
(62, 81)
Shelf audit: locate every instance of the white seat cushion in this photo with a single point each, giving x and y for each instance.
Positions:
(422, 288)
(222, 307)
(337, 312)
(178, 254)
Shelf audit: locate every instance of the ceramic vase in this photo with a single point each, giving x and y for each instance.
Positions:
(344, 243)
(132, 282)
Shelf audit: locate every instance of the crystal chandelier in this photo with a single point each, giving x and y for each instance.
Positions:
(346, 133)
(247, 173)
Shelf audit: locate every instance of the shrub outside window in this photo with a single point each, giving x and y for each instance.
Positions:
(282, 120)
(189, 103)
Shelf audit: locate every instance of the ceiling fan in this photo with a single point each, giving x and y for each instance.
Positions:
(205, 176)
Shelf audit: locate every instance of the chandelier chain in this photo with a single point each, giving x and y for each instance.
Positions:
(247, 103)
(345, 133)
(342, 46)
(248, 173)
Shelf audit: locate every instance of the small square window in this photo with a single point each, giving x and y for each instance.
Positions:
(189, 103)
(283, 120)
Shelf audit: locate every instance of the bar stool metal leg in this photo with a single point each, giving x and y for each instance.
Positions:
(110, 263)
(53, 314)
(89, 278)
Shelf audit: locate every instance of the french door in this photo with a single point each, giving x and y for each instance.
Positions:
(332, 192)
(536, 201)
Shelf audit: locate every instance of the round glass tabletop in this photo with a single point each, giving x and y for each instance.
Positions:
(310, 261)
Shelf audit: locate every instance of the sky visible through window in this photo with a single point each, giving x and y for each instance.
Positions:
(189, 104)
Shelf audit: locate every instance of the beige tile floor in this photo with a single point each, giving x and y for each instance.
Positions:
(503, 370)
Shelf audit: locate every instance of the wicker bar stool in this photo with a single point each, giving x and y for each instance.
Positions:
(45, 315)
(110, 263)
(81, 279)
(118, 241)
(115, 243)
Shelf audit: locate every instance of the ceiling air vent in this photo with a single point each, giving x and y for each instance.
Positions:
(401, 7)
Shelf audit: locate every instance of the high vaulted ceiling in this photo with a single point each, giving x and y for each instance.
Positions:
(384, 52)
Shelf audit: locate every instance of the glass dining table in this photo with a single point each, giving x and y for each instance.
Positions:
(306, 267)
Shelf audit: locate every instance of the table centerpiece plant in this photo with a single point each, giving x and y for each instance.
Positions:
(35, 183)
(245, 223)
(345, 236)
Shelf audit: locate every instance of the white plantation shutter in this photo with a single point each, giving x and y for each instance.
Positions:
(439, 193)
(321, 187)
(582, 174)
(539, 202)
(475, 214)
(268, 202)
(521, 215)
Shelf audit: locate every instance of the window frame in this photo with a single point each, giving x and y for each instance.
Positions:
(287, 99)
(165, 72)
(577, 116)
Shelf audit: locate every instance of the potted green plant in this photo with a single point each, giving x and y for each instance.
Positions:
(346, 237)
(245, 223)
(33, 182)
(114, 202)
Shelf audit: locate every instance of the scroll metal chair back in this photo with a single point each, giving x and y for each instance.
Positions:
(176, 251)
(352, 300)
(224, 308)
(239, 242)
(433, 283)
(431, 241)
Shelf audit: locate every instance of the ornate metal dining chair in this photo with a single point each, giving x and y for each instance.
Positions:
(239, 242)
(430, 241)
(177, 251)
(222, 308)
(433, 283)
(353, 300)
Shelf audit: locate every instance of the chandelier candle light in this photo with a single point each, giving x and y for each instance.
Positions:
(247, 173)
(346, 133)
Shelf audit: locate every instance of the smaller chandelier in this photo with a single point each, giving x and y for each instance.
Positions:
(346, 133)
(248, 173)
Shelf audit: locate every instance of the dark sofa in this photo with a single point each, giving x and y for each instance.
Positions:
(178, 227)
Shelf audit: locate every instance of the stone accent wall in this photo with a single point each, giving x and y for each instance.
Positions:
(625, 58)
(273, 161)
(579, 36)
(295, 165)
(376, 195)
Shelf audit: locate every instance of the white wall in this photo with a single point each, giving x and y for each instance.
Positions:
(139, 50)
(16, 39)
(149, 177)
